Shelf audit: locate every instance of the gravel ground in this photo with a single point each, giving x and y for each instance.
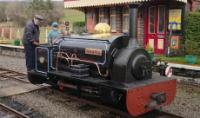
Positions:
(187, 102)
(53, 104)
(17, 64)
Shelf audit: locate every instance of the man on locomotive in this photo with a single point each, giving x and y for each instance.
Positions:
(31, 40)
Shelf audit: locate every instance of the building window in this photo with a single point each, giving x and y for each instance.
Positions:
(161, 19)
(113, 20)
(104, 15)
(152, 14)
(125, 18)
(101, 15)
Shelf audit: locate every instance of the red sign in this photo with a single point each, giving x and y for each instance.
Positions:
(93, 51)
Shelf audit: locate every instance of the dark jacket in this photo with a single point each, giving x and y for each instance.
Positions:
(31, 33)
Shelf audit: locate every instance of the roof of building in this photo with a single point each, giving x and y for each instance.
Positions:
(92, 3)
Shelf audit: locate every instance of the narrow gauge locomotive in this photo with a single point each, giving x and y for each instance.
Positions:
(104, 70)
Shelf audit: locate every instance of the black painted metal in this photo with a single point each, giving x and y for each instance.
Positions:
(133, 11)
(109, 47)
(130, 65)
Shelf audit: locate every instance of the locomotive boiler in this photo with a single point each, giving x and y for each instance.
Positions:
(104, 70)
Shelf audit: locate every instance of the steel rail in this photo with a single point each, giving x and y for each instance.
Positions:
(10, 111)
(6, 73)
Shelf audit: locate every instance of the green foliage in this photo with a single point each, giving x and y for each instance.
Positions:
(72, 16)
(177, 59)
(16, 42)
(79, 27)
(191, 47)
(39, 7)
(79, 24)
(192, 33)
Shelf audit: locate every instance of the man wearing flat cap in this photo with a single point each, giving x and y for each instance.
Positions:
(31, 40)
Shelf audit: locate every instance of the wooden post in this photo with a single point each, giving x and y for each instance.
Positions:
(2, 33)
(10, 35)
(17, 33)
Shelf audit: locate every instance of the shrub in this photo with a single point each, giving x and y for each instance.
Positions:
(192, 33)
(191, 47)
(79, 24)
(79, 27)
(16, 42)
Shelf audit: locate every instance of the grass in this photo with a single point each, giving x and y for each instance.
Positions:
(73, 16)
(179, 59)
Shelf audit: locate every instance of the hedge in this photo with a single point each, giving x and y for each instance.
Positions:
(192, 33)
(79, 27)
(79, 24)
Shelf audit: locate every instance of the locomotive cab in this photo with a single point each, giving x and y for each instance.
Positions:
(105, 70)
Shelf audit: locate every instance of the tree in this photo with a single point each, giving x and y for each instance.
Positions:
(20, 12)
(192, 33)
(46, 9)
(16, 12)
(49, 5)
(2, 12)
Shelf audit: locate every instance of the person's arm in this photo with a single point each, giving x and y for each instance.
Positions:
(36, 43)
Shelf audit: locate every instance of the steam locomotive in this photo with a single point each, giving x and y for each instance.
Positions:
(105, 70)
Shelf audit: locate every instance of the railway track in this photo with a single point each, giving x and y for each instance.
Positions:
(10, 74)
(6, 73)
(13, 83)
(8, 112)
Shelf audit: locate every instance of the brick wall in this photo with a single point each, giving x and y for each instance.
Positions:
(195, 5)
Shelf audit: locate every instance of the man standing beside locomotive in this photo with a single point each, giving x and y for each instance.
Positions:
(31, 40)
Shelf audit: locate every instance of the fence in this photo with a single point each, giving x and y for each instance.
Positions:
(8, 34)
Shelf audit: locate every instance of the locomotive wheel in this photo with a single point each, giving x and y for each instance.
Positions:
(35, 79)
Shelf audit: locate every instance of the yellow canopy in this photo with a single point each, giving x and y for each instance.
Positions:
(91, 3)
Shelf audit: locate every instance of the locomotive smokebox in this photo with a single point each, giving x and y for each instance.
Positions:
(131, 64)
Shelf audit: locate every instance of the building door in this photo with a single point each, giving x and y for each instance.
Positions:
(156, 28)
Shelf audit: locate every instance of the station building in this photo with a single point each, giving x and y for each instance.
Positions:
(157, 23)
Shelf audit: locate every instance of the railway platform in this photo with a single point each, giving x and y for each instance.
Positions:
(183, 66)
(10, 50)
